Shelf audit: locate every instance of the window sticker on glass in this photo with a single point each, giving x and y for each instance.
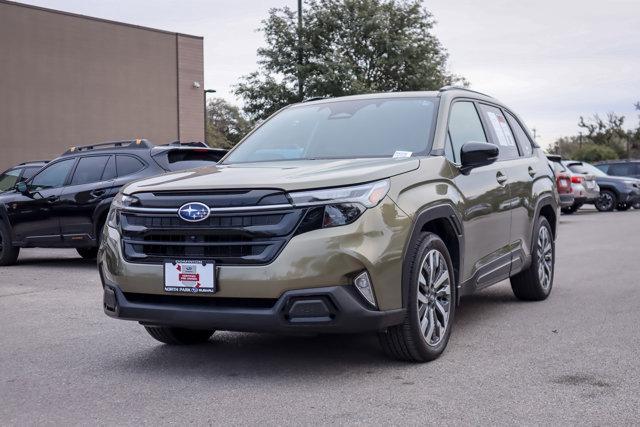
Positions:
(402, 154)
(501, 129)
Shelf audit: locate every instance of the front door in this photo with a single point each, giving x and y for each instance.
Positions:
(89, 186)
(484, 203)
(31, 215)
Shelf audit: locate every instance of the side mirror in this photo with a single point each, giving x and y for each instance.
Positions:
(476, 154)
(22, 187)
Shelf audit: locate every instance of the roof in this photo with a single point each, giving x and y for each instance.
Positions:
(92, 18)
(446, 90)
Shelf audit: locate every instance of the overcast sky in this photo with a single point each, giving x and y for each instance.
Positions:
(550, 60)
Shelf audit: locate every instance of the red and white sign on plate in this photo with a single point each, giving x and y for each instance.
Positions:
(189, 276)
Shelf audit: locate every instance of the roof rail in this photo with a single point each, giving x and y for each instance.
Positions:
(136, 143)
(314, 98)
(454, 87)
(187, 144)
(34, 161)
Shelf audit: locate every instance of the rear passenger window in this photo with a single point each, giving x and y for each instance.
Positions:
(110, 170)
(128, 165)
(89, 170)
(500, 131)
(521, 136)
(464, 126)
(621, 169)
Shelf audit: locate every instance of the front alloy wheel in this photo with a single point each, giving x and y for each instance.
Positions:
(606, 202)
(434, 297)
(425, 332)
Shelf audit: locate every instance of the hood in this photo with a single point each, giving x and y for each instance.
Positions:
(284, 175)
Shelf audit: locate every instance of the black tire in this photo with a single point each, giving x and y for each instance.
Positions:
(8, 253)
(87, 253)
(178, 336)
(569, 210)
(623, 207)
(407, 341)
(528, 284)
(636, 205)
(607, 201)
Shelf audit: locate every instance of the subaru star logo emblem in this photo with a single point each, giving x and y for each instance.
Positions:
(194, 212)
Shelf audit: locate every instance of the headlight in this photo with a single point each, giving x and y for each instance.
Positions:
(368, 195)
(119, 202)
(337, 206)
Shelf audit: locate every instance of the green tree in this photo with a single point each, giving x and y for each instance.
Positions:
(593, 153)
(226, 125)
(348, 47)
(608, 133)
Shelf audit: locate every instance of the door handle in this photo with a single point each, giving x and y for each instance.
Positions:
(501, 178)
(98, 193)
(532, 172)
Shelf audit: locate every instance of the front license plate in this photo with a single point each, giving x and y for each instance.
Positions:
(189, 276)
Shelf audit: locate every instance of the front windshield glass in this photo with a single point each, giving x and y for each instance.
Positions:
(586, 169)
(9, 179)
(380, 127)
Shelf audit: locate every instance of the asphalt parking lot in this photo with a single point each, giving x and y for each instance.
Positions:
(572, 359)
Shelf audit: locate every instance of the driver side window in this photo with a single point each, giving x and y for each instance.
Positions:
(53, 176)
(464, 126)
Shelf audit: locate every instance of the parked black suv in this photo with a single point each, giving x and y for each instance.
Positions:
(22, 172)
(65, 204)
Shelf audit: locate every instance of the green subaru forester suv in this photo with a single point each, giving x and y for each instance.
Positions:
(355, 214)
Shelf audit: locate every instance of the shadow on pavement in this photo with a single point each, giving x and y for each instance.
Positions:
(265, 355)
(56, 263)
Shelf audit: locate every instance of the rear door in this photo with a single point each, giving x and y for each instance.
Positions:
(522, 169)
(486, 216)
(90, 184)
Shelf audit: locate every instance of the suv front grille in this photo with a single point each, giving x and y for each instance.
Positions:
(246, 237)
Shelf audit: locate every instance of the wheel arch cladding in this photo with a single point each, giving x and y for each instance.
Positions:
(549, 212)
(443, 221)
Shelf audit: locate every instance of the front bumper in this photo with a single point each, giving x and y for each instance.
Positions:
(311, 260)
(336, 309)
(630, 197)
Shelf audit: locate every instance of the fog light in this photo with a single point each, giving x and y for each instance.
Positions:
(363, 285)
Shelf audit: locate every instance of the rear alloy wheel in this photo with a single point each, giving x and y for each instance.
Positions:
(431, 305)
(607, 201)
(179, 336)
(636, 205)
(8, 253)
(535, 283)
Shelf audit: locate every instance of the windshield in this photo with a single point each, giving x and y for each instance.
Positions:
(586, 169)
(380, 127)
(9, 179)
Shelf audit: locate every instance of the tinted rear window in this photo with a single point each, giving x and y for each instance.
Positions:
(187, 159)
(89, 170)
(128, 165)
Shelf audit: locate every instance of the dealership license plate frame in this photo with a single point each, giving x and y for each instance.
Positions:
(205, 271)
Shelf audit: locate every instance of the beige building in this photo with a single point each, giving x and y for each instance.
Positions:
(69, 79)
